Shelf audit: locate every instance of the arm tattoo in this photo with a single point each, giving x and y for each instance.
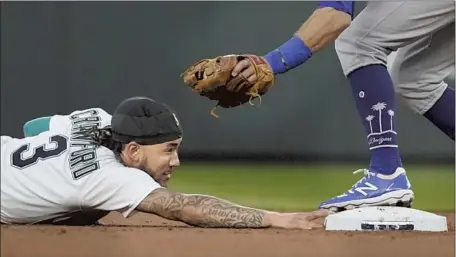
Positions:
(201, 210)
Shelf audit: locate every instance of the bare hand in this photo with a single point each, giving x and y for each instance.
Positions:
(300, 220)
(245, 69)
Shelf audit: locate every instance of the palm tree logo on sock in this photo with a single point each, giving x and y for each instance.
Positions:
(391, 114)
(369, 119)
(377, 141)
(379, 107)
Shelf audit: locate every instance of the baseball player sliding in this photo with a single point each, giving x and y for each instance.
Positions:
(423, 33)
(75, 169)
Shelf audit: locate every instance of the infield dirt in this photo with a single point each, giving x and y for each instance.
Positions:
(148, 235)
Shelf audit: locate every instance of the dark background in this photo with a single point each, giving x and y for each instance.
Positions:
(57, 57)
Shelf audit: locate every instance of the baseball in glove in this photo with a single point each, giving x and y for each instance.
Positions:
(212, 78)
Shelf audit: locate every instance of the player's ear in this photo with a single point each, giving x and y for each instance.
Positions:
(133, 150)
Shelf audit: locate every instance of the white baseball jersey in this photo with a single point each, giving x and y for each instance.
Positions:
(59, 174)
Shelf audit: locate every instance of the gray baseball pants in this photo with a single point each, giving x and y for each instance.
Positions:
(423, 33)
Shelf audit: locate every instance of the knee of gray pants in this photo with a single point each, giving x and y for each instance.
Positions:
(384, 26)
(354, 51)
(421, 68)
(417, 94)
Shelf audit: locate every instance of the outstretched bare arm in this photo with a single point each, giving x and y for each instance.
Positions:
(323, 27)
(203, 210)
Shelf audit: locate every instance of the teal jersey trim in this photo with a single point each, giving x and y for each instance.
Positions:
(36, 126)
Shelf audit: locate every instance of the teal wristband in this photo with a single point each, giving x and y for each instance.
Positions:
(36, 126)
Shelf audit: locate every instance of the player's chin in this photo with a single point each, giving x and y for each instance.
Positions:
(164, 181)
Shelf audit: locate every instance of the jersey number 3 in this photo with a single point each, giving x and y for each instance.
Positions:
(57, 145)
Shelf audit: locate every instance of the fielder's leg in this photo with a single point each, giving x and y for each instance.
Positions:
(363, 48)
(418, 73)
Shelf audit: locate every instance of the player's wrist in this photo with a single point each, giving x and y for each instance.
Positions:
(291, 54)
(271, 219)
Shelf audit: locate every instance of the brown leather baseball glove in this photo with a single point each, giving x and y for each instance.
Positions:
(212, 78)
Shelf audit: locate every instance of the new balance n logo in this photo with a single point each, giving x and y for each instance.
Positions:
(368, 187)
